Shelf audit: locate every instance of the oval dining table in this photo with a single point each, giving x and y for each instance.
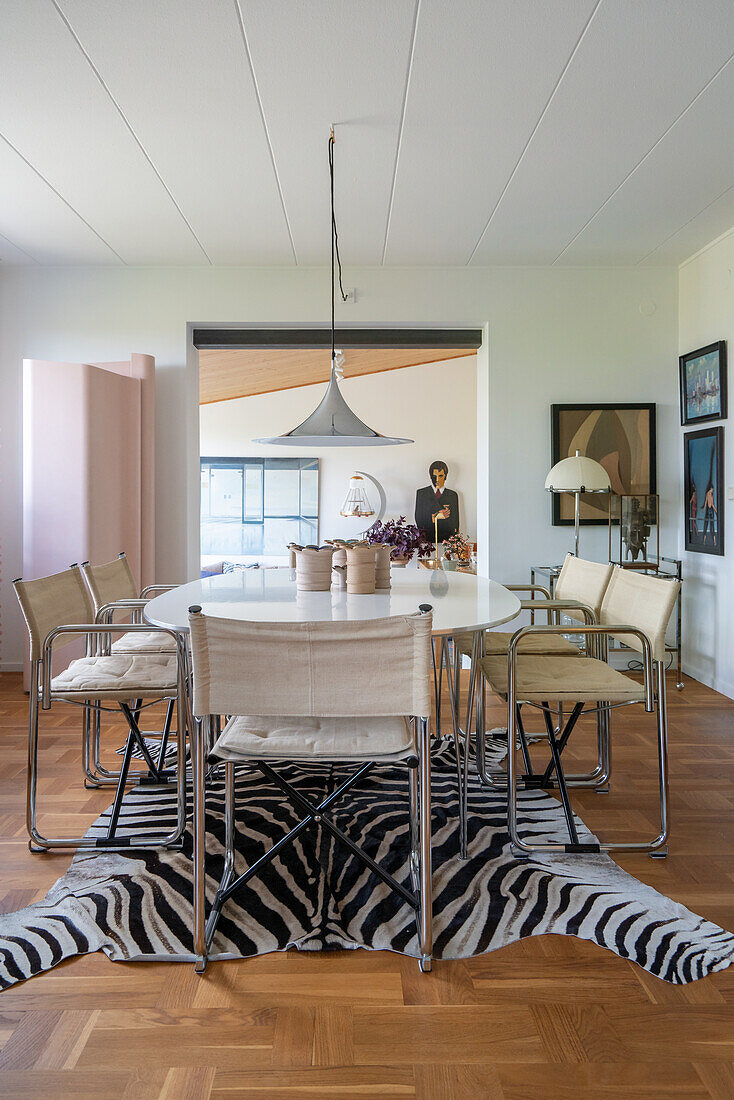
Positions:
(462, 603)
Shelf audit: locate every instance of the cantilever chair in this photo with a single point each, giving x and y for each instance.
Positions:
(635, 610)
(261, 674)
(579, 593)
(114, 591)
(57, 611)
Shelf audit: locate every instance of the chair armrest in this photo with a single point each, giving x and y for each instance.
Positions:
(588, 628)
(529, 588)
(105, 613)
(157, 588)
(560, 605)
(90, 629)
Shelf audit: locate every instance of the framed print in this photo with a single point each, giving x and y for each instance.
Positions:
(621, 437)
(703, 384)
(703, 490)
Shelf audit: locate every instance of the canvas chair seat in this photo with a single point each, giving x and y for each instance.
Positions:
(308, 738)
(122, 678)
(563, 680)
(139, 641)
(497, 642)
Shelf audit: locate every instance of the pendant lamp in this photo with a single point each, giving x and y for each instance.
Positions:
(332, 423)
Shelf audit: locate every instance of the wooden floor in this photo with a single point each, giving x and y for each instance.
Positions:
(548, 1017)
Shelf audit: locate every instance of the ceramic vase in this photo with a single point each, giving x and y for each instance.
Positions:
(313, 568)
(360, 569)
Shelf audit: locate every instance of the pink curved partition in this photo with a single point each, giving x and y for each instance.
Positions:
(88, 465)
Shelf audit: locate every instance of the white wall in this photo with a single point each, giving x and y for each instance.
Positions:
(434, 404)
(554, 334)
(706, 314)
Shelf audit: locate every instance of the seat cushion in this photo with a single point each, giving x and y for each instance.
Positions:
(246, 737)
(496, 642)
(121, 677)
(144, 641)
(563, 679)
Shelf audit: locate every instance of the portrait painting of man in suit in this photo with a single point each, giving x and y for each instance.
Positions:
(436, 500)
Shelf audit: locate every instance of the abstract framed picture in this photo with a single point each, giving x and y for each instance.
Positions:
(619, 436)
(703, 490)
(703, 384)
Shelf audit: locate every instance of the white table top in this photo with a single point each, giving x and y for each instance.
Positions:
(460, 601)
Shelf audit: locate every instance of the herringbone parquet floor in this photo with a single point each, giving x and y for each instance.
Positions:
(551, 1017)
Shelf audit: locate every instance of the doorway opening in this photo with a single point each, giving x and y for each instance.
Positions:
(256, 498)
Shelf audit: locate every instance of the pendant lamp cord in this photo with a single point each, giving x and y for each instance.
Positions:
(334, 248)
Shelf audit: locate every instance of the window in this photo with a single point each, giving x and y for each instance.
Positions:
(253, 507)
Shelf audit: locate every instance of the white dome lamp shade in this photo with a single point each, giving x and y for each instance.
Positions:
(578, 475)
(332, 423)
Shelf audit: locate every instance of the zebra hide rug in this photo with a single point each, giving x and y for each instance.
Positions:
(136, 904)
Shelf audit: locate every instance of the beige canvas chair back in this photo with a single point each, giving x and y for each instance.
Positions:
(109, 582)
(331, 669)
(584, 581)
(641, 601)
(59, 600)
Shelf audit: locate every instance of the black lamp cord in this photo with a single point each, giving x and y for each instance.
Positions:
(334, 248)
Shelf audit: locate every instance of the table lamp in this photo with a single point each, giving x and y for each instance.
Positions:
(578, 475)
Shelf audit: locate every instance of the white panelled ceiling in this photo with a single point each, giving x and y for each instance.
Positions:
(468, 132)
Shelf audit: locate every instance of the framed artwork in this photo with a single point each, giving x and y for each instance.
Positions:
(703, 486)
(621, 437)
(703, 384)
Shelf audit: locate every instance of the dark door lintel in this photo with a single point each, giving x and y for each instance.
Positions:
(210, 339)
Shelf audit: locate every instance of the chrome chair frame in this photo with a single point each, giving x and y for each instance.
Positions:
(42, 697)
(202, 733)
(95, 773)
(598, 778)
(655, 700)
(420, 839)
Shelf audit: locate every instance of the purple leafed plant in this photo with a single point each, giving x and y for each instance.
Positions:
(405, 538)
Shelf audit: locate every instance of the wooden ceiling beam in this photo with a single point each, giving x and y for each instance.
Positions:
(228, 374)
